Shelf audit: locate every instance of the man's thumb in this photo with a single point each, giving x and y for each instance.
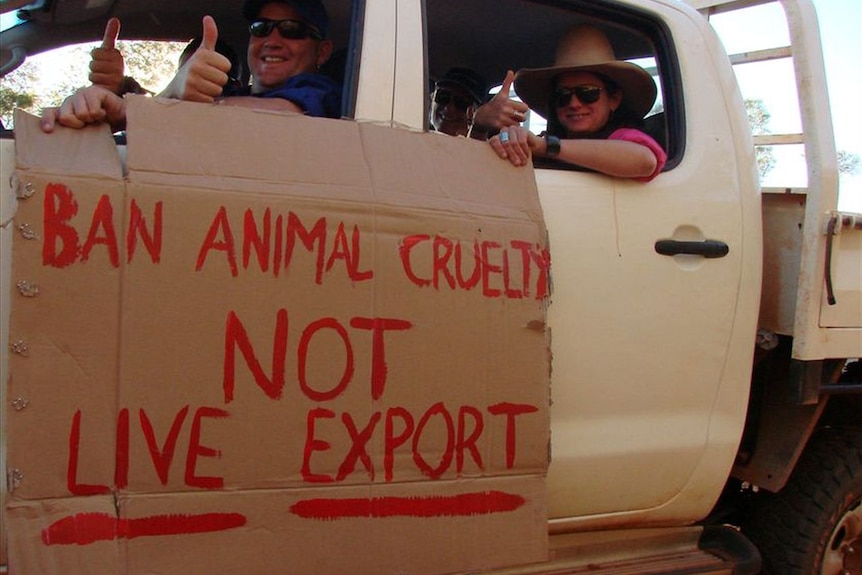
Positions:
(112, 31)
(506, 87)
(210, 36)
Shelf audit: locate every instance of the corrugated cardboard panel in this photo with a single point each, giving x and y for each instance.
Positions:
(66, 151)
(335, 363)
(64, 324)
(39, 531)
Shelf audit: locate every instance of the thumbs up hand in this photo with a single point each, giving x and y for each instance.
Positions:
(501, 111)
(203, 76)
(106, 62)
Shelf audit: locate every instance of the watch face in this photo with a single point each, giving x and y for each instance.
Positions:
(552, 147)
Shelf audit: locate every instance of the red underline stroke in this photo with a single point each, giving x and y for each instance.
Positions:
(87, 528)
(465, 504)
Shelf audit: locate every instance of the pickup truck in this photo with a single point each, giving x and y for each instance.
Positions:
(706, 332)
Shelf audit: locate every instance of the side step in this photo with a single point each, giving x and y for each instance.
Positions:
(675, 551)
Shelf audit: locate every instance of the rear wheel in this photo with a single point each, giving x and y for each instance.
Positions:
(814, 526)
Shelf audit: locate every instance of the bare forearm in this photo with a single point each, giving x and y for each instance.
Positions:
(276, 104)
(612, 157)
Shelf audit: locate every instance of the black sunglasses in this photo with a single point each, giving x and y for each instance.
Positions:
(585, 94)
(289, 29)
(444, 98)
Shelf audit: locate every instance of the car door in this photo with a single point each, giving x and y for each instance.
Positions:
(655, 285)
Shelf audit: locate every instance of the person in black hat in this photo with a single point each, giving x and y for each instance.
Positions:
(288, 45)
(460, 105)
(456, 97)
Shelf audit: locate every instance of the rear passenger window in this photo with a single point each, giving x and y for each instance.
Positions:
(489, 37)
(45, 79)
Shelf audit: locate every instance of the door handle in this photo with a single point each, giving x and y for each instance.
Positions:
(705, 248)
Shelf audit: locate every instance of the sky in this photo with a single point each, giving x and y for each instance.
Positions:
(841, 36)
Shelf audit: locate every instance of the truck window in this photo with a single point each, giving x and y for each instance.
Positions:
(493, 36)
(45, 79)
(58, 64)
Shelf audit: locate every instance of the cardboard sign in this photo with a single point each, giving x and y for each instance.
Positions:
(278, 344)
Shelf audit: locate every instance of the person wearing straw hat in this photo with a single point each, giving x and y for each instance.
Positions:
(594, 104)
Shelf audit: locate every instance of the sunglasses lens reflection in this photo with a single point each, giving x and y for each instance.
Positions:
(261, 28)
(288, 29)
(585, 95)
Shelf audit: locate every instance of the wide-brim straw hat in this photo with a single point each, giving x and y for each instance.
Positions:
(587, 49)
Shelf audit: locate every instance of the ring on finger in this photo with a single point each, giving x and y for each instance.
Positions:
(504, 137)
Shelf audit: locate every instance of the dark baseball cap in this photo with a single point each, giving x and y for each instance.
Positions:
(467, 79)
(312, 12)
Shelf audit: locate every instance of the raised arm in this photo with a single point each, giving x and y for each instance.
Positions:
(106, 63)
(500, 111)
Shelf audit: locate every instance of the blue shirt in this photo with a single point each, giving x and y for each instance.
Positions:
(317, 94)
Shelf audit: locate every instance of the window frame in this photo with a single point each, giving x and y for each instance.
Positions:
(607, 14)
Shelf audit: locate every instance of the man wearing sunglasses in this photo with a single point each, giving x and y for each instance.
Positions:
(456, 97)
(287, 46)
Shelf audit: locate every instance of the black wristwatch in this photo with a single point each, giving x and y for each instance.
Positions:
(552, 146)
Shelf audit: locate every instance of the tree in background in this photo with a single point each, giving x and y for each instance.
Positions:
(848, 163)
(9, 100)
(758, 119)
(26, 89)
(151, 63)
(16, 92)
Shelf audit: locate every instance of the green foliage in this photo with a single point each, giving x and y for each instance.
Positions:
(765, 160)
(31, 88)
(16, 92)
(848, 163)
(9, 100)
(758, 119)
(151, 63)
(758, 116)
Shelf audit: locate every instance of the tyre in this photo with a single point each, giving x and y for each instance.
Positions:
(814, 525)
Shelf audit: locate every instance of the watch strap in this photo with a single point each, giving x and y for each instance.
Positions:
(552, 146)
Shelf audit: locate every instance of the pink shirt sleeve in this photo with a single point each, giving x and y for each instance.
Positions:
(638, 137)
